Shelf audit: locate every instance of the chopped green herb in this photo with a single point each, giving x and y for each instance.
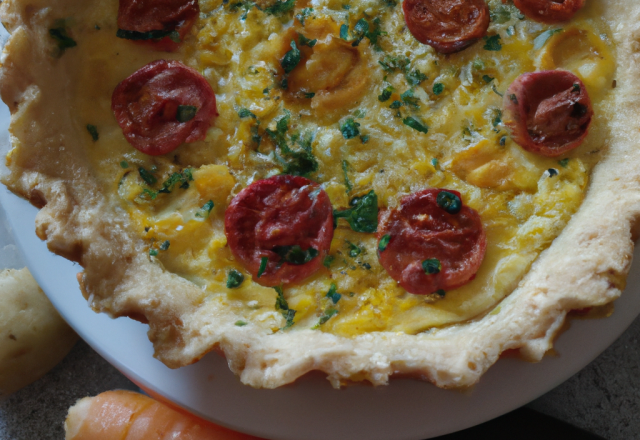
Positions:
(503, 141)
(344, 32)
(345, 171)
(396, 105)
(279, 8)
(186, 113)
(441, 293)
(364, 138)
(541, 40)
(306, 12)
(148, 178)
(363, 214)
(501, 14)
(234, 279)
(165, 245)
(263, 266)
(414, 123)
(349, 128)
(124, 164)
(205, 210)
(511, 31)
(93, 131)
(360, 30)
(183, 178)
(295, 254)
(576, 88)
(245, 113)
(62, 38)
(386, 93)
(384, 242)
(492, 43)
(283, 306)
(240, 323)
(435, 162)
(354, 250)
(513, 98)
(304, 41)
(564, 162)
(296, 163)
(375, 33)
(359, 113)
(390, 63)
(308, 95)
(495, 90)
(153, 252)
(448, 201)
(409, 99)
(333, 294)
(346, 7)
(390, 3)
(328, 314)
(552, 172)
(327, 261)
(291, 58)
(431, 266)
(497, 117)
(487, 78)
(438, 88)
(149, 193)
(415, 77)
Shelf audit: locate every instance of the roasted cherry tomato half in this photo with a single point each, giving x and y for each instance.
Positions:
(447, 25)
(160, 24)
(280, 229)
(163, 105)
(548, 112)
(431, 242)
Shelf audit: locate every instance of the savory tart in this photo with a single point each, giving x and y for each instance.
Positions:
(364, 188)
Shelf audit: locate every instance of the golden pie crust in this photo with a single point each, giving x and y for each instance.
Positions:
(585, 266)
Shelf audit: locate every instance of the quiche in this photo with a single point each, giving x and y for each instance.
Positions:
(366, 188)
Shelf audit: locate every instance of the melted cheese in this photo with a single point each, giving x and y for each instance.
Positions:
(524, 200)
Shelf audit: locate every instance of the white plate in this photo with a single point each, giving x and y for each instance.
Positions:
(310, 409)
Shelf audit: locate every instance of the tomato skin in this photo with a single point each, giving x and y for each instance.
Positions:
(146, 106)
(418, 230)
(548, 112)
(158, 15)
(447, 25)
(276, 212)
(549, 11)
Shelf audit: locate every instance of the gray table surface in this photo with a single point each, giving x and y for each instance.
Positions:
(603, 398)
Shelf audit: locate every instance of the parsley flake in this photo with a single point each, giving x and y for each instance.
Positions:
(186, 113)
(363, 214)
(349, 128)
(414, 123)
(384, 242)
(93, 131)
(449, 201)
(291, 58)
(431, 266)
(263, 266)
(492, 43)
(234, 279)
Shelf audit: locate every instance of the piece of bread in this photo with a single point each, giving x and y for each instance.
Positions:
(33, 337)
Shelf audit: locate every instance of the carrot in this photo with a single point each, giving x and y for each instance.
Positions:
(125, 415)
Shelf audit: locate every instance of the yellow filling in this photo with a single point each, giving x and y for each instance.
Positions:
(523, 205)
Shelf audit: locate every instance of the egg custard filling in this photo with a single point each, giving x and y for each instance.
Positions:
(367, 106)
(387, 115)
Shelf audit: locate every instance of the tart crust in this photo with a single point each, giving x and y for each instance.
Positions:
(586, 265)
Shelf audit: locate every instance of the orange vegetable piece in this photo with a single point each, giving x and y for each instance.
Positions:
(125, 415)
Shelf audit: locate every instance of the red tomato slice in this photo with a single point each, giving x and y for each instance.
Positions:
(548, 112)
(163, 105)
(447, 25)
(284, 223)
(158, 15)
(549, 11)
(429, 246)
